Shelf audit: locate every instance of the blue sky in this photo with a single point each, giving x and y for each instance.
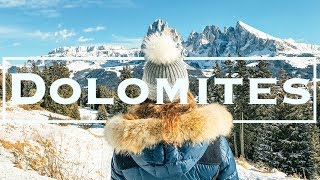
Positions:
(34, 27)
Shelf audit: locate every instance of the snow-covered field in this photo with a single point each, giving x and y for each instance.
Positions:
(18, 113)
(36, 151)
(78, 153)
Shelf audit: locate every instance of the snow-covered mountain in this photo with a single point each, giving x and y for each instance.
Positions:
(241, 40)
(246, 41)
(99, 50)
(159, 26)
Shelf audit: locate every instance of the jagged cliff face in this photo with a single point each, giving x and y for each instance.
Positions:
(243, 40)
(233, 41)
(162, 27)
(159, 26)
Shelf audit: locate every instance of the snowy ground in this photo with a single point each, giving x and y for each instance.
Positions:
(17, 113)
(10, 172)
(247, 171)
(81, 153)
(78, 153)
(87, 113)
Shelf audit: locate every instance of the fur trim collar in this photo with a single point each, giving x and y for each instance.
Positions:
(202, 124)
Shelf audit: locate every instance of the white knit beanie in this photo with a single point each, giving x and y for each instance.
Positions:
(164, 60)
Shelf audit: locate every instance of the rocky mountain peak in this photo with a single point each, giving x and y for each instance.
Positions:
(245, 28)
(245, 40)
(157, 26)
(160, 26)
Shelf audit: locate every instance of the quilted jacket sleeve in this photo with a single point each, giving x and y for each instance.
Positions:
(228, 170)
(116, 173)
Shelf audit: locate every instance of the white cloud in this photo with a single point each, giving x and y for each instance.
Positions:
(39, 34)
(16, 44)
(11, 3)
(15, 33)
(35, 4)
(57, 35)
(52, 8)
(83, 39)
(127, 41)
(46, 8)
(64, 34)
(92, 29)
(45, 4)
(50, 13)
(8, 30)
(99, 28)
(88, 30)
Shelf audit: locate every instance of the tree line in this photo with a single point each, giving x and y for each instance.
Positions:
(292, 148)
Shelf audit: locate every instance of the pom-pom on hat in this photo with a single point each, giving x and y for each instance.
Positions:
(164, 60)
(161, 49)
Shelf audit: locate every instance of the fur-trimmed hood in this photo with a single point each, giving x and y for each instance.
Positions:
(201, 124)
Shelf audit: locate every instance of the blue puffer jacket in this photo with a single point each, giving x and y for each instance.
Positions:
(140, 153)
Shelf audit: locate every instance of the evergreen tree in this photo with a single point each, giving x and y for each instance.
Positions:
(293, 149)
(51, 74)
(8, 85)
(241, 109)
(102, 113)
(132, 91)
(102, 92)
(318, 102)
(34, 68)
(315, 147)
(229, 66)
(263, 111)
(285, 146)
(83, 100)
(284, 111)
(216, 92)
(235, 131)
(26, 86)
(264, 133)
(263, 146)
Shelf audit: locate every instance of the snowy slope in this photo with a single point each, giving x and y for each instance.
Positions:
(85, 148)
(256, 32)
(10, 172)
(81, 153)
(18, 113)
(84, 155)
(7, 65)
